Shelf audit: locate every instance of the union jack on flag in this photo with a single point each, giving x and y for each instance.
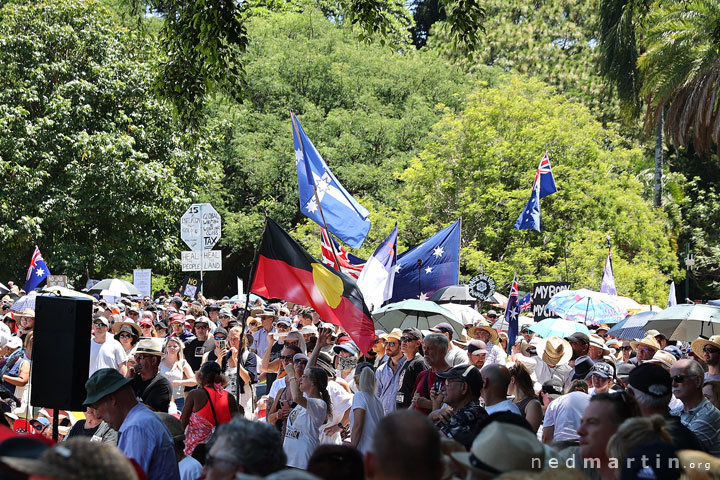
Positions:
(524, 303)
(37, 272)
(544, 177)
(350, 264)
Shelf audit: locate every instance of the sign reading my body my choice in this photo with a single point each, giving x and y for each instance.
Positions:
(542, 292)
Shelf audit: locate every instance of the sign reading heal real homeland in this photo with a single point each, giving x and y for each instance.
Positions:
(542, 292)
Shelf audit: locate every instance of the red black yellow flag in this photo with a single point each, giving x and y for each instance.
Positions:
(285, 270)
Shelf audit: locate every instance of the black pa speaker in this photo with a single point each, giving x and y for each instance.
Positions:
(61, 352)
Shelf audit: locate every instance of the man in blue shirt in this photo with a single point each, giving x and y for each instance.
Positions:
(141, 434)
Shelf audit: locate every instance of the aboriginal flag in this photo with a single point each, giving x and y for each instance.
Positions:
(285, 270)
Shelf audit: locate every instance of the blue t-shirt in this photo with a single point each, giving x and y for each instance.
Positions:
(144, 438)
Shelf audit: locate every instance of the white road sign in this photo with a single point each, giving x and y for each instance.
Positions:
(207, 260)
(200, 226)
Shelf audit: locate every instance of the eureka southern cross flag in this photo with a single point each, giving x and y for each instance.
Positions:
(344, 216)
(37, 272)
(285, 270)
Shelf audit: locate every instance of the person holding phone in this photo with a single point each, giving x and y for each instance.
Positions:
(220, 354)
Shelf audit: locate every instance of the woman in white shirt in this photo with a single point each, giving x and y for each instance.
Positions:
(367, 409)
(176, 369)
(302, 430)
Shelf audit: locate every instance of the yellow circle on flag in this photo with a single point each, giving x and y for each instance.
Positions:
(330, 285)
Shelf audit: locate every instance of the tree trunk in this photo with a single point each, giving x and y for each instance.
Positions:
(657, 197)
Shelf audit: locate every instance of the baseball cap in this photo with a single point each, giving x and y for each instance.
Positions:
(476, 347)
(442, 327)
(674, 350)
(578, 337)
(284, 321)
(413, 332)
(623, 370)
(101, 318)
(145, 322)
(601, 369)
(652, 379)
(309, 330)
(177, 318)
(553, 387)
(469, 374)
(395, 334)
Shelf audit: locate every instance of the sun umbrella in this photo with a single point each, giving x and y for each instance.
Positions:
(557, 327)
(497, 300)
(453, 294)
(421, 314)
(464, 313)
(3, 289)
(687, 322)
(25, 302)
(116, 288)
(66, 292)
(633, 326)
(586, 306)
(627, 303)
(522, 320)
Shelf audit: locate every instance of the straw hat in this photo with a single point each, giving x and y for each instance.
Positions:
(597, 341)
(648, 341)
(699, 343)
(493, 333)
(663, 358)
(118, 325)
(556, 351)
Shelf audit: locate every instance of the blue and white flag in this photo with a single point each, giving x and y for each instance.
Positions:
(511, 314)
(37, 272)
(345, 217)
(525, 303)
(428, 266)
(378, 275)
(672, 296)
(608, 279)
(543, 185)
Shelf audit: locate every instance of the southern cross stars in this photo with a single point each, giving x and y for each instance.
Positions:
(438, 252)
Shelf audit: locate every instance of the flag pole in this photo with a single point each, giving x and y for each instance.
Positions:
(317, 199)
(251, 277)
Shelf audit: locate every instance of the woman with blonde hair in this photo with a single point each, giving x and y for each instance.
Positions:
(367, 409)
(521, 386)
(176, 369)
(636, 431)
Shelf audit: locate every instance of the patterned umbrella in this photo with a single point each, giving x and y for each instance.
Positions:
(557, 327)
(633, 326)
(587, 306)
(23, 303)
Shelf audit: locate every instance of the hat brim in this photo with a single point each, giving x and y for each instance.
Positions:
(700, 343)
(562, 359)
(118, 325)
(493, 333)
(463, 458)
(636, 344)
(32, 466)
(106, 391)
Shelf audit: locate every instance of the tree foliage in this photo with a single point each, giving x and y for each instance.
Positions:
(94, 169)
(480, 166)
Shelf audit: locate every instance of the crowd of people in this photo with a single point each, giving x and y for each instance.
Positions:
(207, 389)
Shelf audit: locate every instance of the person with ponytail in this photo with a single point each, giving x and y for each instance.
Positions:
(367, 409)
(302, 427)
(205, 408)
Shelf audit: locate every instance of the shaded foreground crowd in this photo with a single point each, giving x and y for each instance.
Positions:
(178, 390)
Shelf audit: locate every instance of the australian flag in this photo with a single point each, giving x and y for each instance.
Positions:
(543, 185)
(349, 263)
(524, 303)
(37, 271)
(344, 216)
(428, 266)
(511, 314)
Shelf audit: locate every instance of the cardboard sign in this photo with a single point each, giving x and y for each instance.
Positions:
(190, 288)
(542, 292)
(206, 260)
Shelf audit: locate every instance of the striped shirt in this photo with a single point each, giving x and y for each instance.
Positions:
(704, 422)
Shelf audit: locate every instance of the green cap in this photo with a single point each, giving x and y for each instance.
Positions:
(102, 383)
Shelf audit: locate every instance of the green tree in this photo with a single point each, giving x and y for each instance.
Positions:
(93, 167)
(480, 166)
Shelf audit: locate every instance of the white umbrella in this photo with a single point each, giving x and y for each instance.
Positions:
(23, 303)
(464, 313)
(115, 287)
(66, 292)
(522, 320)
(420, 314)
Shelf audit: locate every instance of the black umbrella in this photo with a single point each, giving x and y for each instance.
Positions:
(453, 294)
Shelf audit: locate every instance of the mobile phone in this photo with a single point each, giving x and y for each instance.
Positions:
(221, 344)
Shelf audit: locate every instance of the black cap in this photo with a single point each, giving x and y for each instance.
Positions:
(652, 379)
(583, 365)
(469, 374)
(413, 332)
(664, 463)
(553, 386)
(578, 337)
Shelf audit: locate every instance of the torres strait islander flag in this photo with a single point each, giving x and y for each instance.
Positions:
(285, 270)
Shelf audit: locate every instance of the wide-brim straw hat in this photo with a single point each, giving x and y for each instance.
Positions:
(118, 325)
(700, 343)
(493, 333)
(663, 358)
(597, 341)
(648, 341)
(556, 351)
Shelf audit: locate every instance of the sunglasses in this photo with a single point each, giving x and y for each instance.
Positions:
(300, 360)
(378, 340)
(646, 350)
(681, 378)
(99, 324)
(287, 358)
(390, 344)
(709, 349)
(145, 326)
(220, 338)
(626, 348)
(407, 339)
(124, 335)
(142, 356)
(201, 327)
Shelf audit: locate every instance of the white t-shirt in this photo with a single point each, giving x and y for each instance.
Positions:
(177, 372)
(109, 354)
(504, 406)
(277, 385)
(374, 411)
(190, 469)
(302, 433)
(456, 356)
(341, 401)
(564, 413)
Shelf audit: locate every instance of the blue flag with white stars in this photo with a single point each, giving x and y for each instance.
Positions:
(345, 217)
(37, 272)
(428, 266)
(543, 185)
